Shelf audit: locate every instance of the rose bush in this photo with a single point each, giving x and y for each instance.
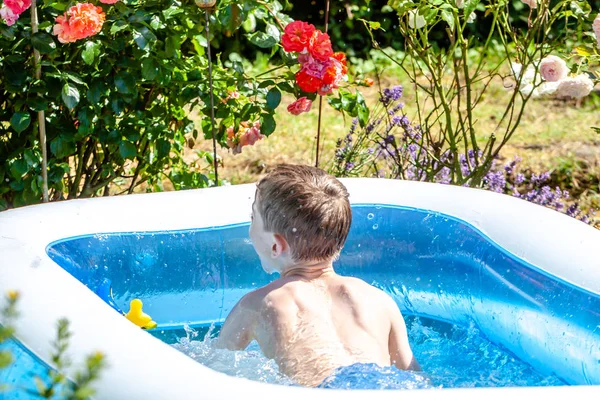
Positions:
(118, 82)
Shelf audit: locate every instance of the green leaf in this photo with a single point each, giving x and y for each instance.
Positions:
(37, 103)
(249, 24)
(582, 51)
(7, 32)
(470, 6)
(172, 45)
(62, 147)
(43, 42)
(18, 169)
(163, 147)
(362, 109)
(268, 124)
(448, 16)
(273, 31)
(150, 69)
(70, 96)
(143, 37)
(273, 98)
(96, 91)
(127, 150)
(90, 52)
(231, 17)
(5, 360)
(374, 25)
(30, 158)
(118, 27)
(84, 392)
(125, 83)
(172, 11)
(75, 78)
(262, 39)
(20, 121)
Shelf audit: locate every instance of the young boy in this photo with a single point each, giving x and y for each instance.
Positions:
(312, 321)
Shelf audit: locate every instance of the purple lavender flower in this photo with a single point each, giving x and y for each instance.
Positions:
(349, 166)
(391, 94)
(496, 181)
(519, 179)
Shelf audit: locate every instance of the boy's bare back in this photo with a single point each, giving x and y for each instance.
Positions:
(311, 320)
(310, 327)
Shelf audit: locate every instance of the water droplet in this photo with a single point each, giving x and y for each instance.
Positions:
(375, 226)
(370, 216)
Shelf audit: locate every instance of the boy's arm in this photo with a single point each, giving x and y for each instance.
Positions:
(238, 330)
(401, 354)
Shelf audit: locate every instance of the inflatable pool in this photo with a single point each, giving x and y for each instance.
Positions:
(527, 277)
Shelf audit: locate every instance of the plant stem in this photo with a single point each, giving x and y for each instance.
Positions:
(321, 97)
(41, 114)
(212, 100)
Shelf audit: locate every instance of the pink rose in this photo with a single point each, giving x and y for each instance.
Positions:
(553, 69)
(531, 3)
(17, 6)
(576, 87)
(247, 136)
(79, 22)
(8, 15)
(300, 106)
(315, 68)
(596, 27)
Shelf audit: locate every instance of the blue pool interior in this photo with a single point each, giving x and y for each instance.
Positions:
(436, 267)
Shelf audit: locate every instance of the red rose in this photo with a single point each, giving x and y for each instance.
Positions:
(341, 57)
(330, 75)
(300, 106)
(308, 83)
(320, 46)
(296, 36)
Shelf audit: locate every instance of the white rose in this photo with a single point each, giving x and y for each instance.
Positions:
(548, 88)
(576, 87)
(553, 69)
(596, 27)
(415, 20)
(460, 3)
(530, 3)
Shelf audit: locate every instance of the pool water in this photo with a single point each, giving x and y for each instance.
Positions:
(527, 325)
(451, 356)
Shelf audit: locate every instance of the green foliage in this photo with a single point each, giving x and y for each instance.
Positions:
(56, 385)
(117, 104)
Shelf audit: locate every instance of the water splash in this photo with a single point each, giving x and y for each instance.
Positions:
(250, 363)
(451, 356)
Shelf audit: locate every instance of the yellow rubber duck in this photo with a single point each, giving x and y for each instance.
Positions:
(138, 317)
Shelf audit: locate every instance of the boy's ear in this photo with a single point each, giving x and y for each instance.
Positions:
(280, 245)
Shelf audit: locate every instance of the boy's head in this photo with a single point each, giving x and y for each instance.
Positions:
(300, 214)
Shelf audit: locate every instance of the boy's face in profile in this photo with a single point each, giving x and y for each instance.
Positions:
(262, 240)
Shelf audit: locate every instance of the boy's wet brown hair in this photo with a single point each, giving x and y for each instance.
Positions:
(308, 207)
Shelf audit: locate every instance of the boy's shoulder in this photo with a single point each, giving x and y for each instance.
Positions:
(365, 289)
(257, 298)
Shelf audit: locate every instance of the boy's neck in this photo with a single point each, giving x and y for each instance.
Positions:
(309, 270)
